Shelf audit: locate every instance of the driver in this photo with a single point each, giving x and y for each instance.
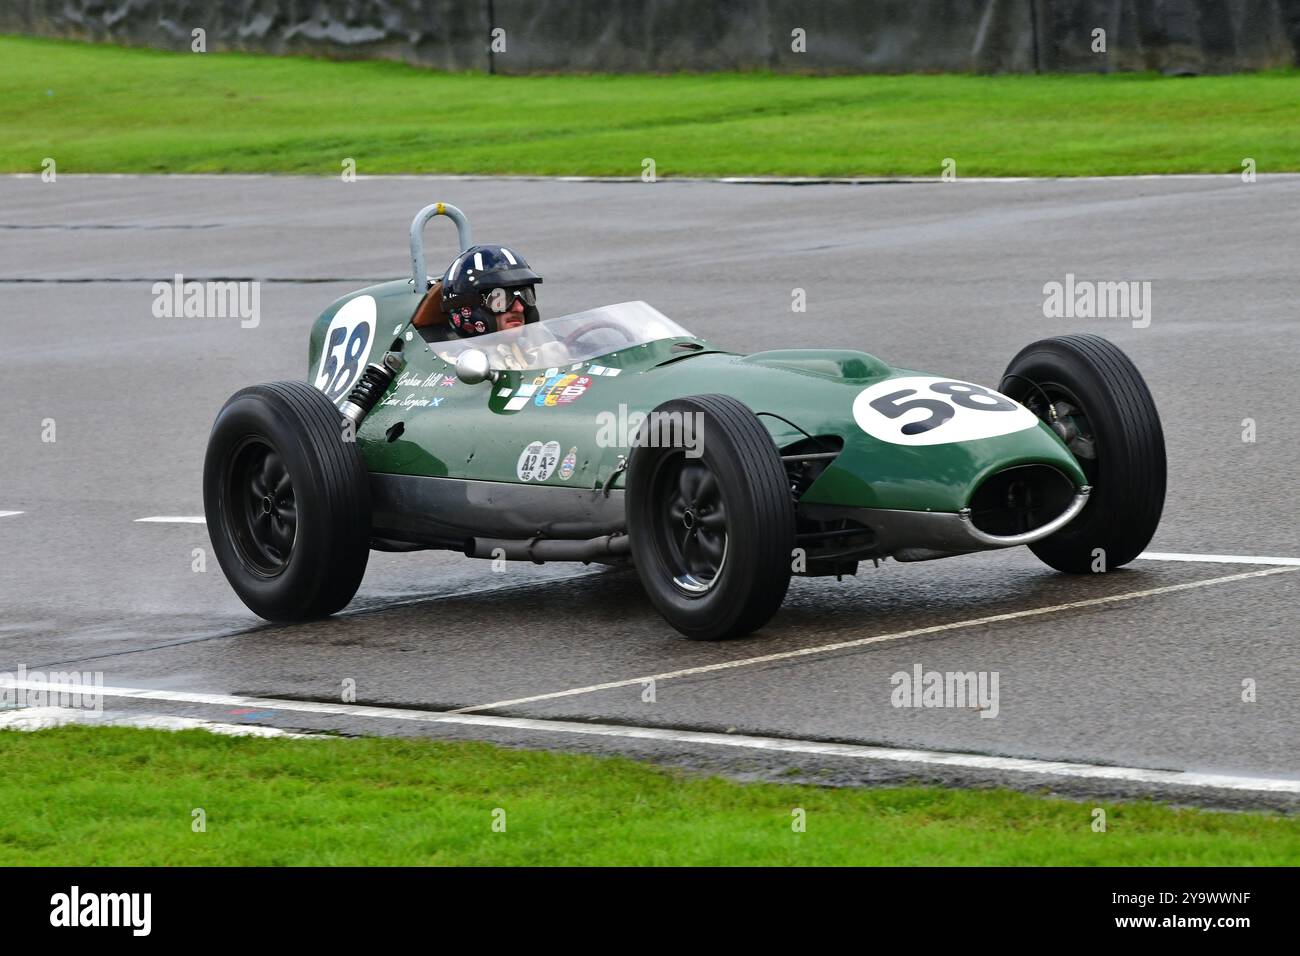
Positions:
(490, 288)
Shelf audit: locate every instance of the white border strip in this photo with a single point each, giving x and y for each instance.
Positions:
(9, 514)
(44, 718)
(933, 758)
(878, 639)
(173, 519)
(1217, 558)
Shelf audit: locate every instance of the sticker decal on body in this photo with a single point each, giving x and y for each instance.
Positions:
(414, 380)
(569, 464)
(411, 400)
(520, 398)
(537, 461)
(548, 391)
(924, 410)
(560, 389)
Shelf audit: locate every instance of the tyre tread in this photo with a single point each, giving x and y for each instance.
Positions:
(1139, 436)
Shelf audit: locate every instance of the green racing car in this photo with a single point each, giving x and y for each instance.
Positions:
(445, 413)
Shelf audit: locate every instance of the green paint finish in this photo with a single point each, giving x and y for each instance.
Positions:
(479, 432)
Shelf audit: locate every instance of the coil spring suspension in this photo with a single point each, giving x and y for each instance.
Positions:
(372, 384)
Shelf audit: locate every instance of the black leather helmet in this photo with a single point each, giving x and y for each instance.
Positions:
(471, 279)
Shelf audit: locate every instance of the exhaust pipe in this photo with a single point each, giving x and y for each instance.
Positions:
(541, 550)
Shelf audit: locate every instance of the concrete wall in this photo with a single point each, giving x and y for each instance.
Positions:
(842, 36)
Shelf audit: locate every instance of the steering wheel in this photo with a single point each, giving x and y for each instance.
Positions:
(592, 326)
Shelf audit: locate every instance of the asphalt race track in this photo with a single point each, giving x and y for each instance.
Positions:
(1141, 669)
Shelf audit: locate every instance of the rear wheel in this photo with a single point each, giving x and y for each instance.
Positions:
(287, 502)
(712, 533)
(1095, 399)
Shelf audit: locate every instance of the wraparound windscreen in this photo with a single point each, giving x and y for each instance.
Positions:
(569, 339)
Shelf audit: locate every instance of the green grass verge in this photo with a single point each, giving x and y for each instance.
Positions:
(107, 109)
(121, 796)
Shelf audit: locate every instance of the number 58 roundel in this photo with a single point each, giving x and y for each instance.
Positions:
(923, 410)
(346, 346)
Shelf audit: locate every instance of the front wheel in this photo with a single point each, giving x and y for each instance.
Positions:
(710, 517)
(1095, 399)
(287, 499)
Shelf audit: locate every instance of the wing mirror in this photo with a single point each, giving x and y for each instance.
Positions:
(472, 367)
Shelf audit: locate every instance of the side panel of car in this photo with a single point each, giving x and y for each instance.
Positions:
(518, 429)
(910, 441)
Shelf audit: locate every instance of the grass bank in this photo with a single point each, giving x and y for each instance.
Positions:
(122, 796)
(95, 108)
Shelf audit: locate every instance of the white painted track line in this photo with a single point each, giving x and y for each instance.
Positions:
(173, 519)
(1017, 765)
(9, 514)
(878, 639)
(43, 718)
(1217, 558)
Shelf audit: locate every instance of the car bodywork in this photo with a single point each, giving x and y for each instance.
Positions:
(453, 464)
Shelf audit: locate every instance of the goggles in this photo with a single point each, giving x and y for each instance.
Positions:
(502, 300)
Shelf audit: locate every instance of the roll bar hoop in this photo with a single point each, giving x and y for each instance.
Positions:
(419, 274)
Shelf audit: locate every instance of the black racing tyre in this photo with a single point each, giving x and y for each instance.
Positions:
(287, 502)
(712, 534)
(1107, 418)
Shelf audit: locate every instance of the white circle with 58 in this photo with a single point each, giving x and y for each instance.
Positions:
(925, 410)
(346, 346)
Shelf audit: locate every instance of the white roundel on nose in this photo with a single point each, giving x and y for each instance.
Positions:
(346, 346)
(924, 410)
